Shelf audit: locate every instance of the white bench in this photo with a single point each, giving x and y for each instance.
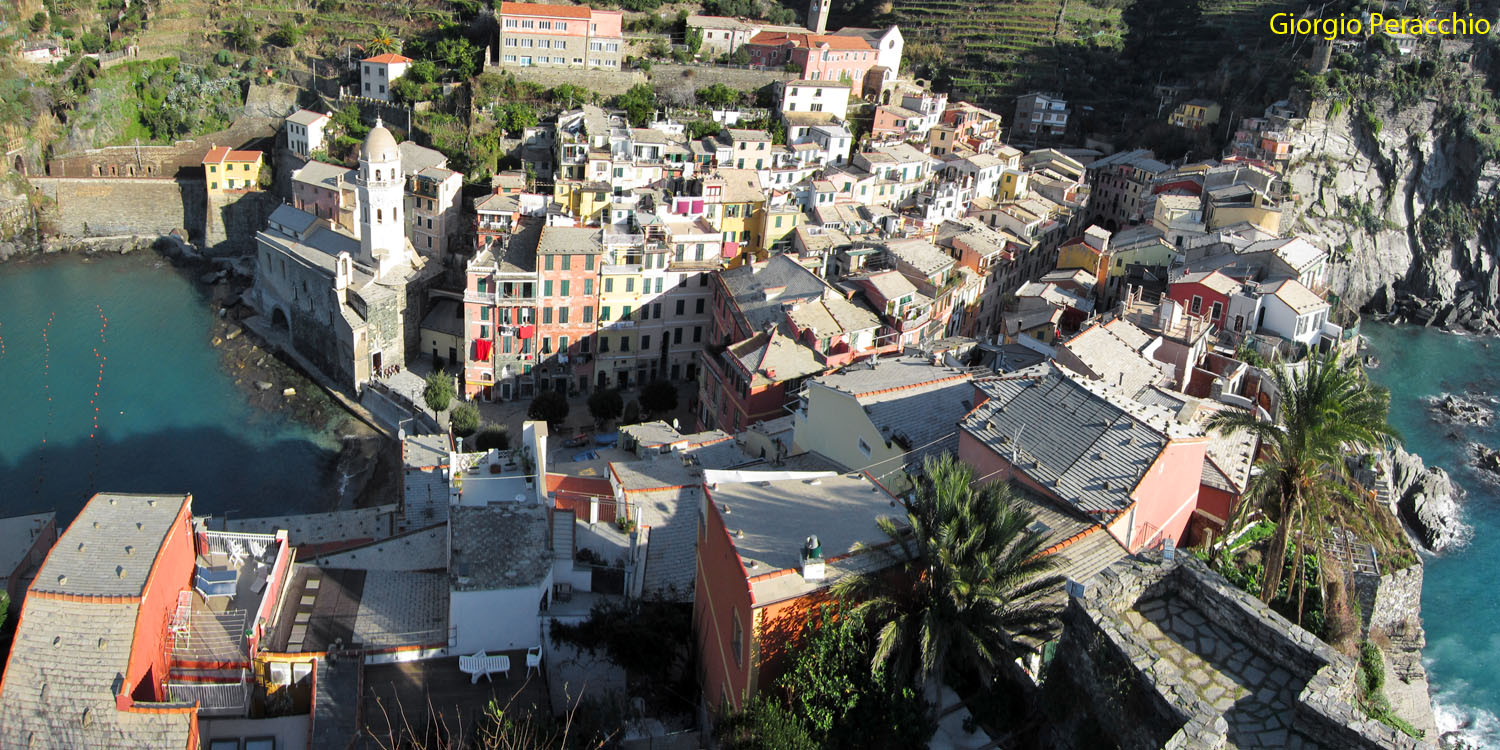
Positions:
(484, 664)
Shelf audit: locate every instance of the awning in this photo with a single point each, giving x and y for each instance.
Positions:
(525, 332)
(482, 349)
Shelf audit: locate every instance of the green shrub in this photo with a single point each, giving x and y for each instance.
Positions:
(465, 419)
(438, 392)
(493, 437)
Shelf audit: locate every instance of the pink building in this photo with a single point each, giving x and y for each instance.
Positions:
(559, 36)
(822, 57)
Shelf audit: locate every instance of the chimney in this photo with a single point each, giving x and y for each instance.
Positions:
(812, 560)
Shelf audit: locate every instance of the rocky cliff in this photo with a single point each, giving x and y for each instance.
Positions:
(1394, 193)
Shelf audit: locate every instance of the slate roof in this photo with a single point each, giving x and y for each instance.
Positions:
(1088, 450)
(1114, 360)
(336, 704)
(70, 655)
(498, 546)
(110, 547)
(921, 255)
(768, 521)
(781, 279)
(321, 528)
(401, 608)
(415, 157)
(570, 240)
(672, 551)
(924, 420)
(774, 358)
(422, 549)
(324, 175)
(67, 661)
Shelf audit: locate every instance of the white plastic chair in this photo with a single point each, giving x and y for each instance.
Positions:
(534, 660)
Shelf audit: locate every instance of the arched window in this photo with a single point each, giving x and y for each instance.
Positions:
(378, 218)
(377, 175)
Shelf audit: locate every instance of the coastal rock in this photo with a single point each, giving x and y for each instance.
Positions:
(290, 392)
(232, 335)
(1428, 501)
(1452, 409)
(1485, 458)
(263, 385)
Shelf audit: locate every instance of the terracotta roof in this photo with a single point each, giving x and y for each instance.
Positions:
(540, 9)
(778, 38)
(221, 154)
(387, 58)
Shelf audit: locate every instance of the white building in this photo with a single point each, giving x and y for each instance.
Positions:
(376, 74)
(1291, 311)
(888, 44)
(304, 131)
(815, 96)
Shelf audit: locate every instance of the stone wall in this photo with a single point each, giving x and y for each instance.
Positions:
(233, 219)
(183, 159)
(1391, 603)
(105, 207)
(606, 82)
(1107, 659)
(677, 83)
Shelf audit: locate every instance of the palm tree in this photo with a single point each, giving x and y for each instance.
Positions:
(382, 42)
(968, 572)
(1326, 412)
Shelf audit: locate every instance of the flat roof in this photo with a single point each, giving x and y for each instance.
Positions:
(768, 521)
(498, 546)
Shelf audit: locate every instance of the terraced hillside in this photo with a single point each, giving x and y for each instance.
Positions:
(1107, 53)
(183, 27)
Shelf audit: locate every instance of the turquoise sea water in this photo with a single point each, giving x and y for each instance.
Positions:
(1460, 604)
(168, 418)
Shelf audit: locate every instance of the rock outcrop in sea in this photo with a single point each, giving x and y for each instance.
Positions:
(1427, 500)
(1450, 408)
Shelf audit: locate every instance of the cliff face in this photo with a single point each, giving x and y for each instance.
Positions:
(1364, 186)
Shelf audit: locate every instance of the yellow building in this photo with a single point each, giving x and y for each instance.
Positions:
(584, 200)
(225, 169)
(620, 313)
(778, 222)
(732, 200)
(1195, 114)
(1012, 185)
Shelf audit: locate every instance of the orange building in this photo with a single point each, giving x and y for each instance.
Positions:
(767, 552)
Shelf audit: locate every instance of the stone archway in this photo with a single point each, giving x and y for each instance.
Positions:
(279, 321)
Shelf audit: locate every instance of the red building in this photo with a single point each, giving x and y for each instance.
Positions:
(821, 57)
(567, 261)
(1124, 465)
(753, 381)
(103, 655)
(757, 581)
(500, 314)
(1205, 295)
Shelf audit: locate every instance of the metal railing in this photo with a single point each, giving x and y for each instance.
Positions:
(214, 698)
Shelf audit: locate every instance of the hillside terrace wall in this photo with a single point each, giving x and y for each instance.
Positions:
(182, 159)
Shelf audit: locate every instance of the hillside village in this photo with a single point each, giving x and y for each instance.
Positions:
(849, 291)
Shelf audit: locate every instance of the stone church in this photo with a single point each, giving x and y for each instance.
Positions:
(351, 301)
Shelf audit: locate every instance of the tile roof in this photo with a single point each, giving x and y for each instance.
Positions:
(922, 420)
(672, 548)
(336, 699)
(1214, 280)
(110, 548)
(544, 10)
(831, 314)
(1087, 449)
(221, 154)
(809, 40)
(416, 157)
(498, 546)
(1296, 296)
(401, 608)
(306, 117)
(387, 59)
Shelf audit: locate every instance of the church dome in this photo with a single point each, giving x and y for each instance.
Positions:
(380, 145)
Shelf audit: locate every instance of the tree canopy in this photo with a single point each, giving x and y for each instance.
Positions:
(549, 406)
(606, 404)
